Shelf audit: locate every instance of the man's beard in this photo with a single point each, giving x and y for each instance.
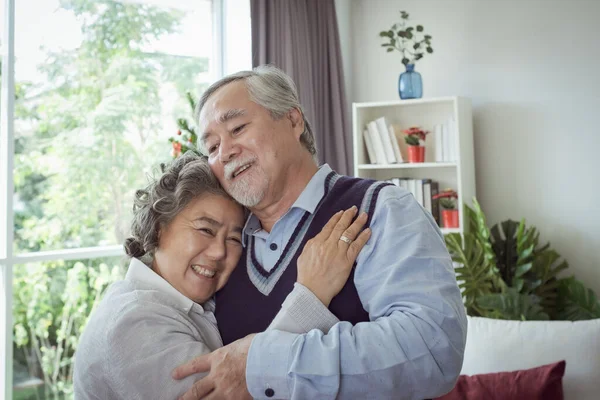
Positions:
(246, 190)
(249, 192)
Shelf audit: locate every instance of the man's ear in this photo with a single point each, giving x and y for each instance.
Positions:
(297, 120)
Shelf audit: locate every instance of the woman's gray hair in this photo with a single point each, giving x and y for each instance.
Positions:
(271, 88)
(154, 207)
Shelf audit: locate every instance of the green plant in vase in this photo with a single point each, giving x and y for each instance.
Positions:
(413, 44)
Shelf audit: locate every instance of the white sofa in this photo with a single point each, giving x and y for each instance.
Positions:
(498, 345)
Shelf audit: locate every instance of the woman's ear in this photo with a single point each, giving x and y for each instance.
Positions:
(297, 120)
(158, 233)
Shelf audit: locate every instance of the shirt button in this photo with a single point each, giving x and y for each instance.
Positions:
(273, 246)
(269, 392)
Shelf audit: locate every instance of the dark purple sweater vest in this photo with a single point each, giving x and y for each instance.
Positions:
(241, 309)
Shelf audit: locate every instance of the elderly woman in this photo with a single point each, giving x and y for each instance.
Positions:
(186, 240)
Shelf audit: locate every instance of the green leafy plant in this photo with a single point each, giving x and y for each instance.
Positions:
(186, 138)
(51, 308)
(576, 302)
(474, 272)
(411, 41)
(511, 305)
(505, 273)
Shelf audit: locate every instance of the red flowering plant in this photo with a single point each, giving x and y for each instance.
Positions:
(447, 198)
(415, 136)
(186, 138)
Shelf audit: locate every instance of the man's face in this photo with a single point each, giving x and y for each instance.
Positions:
(247, 149)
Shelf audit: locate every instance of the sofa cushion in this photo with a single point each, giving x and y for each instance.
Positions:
(499, 345)
(541, 383)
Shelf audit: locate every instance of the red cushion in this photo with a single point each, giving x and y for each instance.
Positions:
(540, 383)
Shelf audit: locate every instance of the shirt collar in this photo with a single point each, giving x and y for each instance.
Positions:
(313, 192)
(140, 272)
(308, 200)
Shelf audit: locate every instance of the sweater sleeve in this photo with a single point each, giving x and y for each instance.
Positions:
(301, 312)
(145, 342)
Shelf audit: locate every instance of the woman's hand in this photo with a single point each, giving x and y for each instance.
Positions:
(327, 259)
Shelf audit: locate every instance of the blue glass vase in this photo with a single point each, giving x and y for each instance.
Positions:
(410, 84)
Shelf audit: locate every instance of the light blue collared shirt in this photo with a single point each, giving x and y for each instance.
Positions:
(413, 345)
(269, 246)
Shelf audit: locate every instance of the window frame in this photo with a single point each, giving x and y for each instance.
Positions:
(7, 259)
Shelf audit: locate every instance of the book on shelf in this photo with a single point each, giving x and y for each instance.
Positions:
(445, 137)
(446, 142)
(384, 134)
(419, 191)
(380, 157)
(395, 145)
(370, 149)
(412, 187)
(439, 148)
(382, 143)
(432, 190)
(427, 200)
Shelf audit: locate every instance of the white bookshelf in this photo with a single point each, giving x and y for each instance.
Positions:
(426, 113)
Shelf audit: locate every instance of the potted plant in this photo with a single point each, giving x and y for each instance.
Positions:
(448, 199)
(505, 272)
(412, 42)
(415, 139)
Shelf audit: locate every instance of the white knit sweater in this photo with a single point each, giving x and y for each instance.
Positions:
(144, 328)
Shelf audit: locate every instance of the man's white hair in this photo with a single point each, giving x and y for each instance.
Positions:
(271, 88)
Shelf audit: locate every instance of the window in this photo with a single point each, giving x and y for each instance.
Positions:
(51, 305)
(98, 88)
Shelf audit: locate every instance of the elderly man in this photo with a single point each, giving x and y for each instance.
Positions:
(404, 325)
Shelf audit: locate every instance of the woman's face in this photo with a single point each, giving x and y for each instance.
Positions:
(201, 246)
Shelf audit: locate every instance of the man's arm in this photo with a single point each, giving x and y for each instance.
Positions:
(301, 312)
(413, 346)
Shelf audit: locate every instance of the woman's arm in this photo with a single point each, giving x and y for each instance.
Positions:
(302, 312)
(146, 340)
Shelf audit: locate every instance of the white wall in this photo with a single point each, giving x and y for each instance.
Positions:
(532, 70)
